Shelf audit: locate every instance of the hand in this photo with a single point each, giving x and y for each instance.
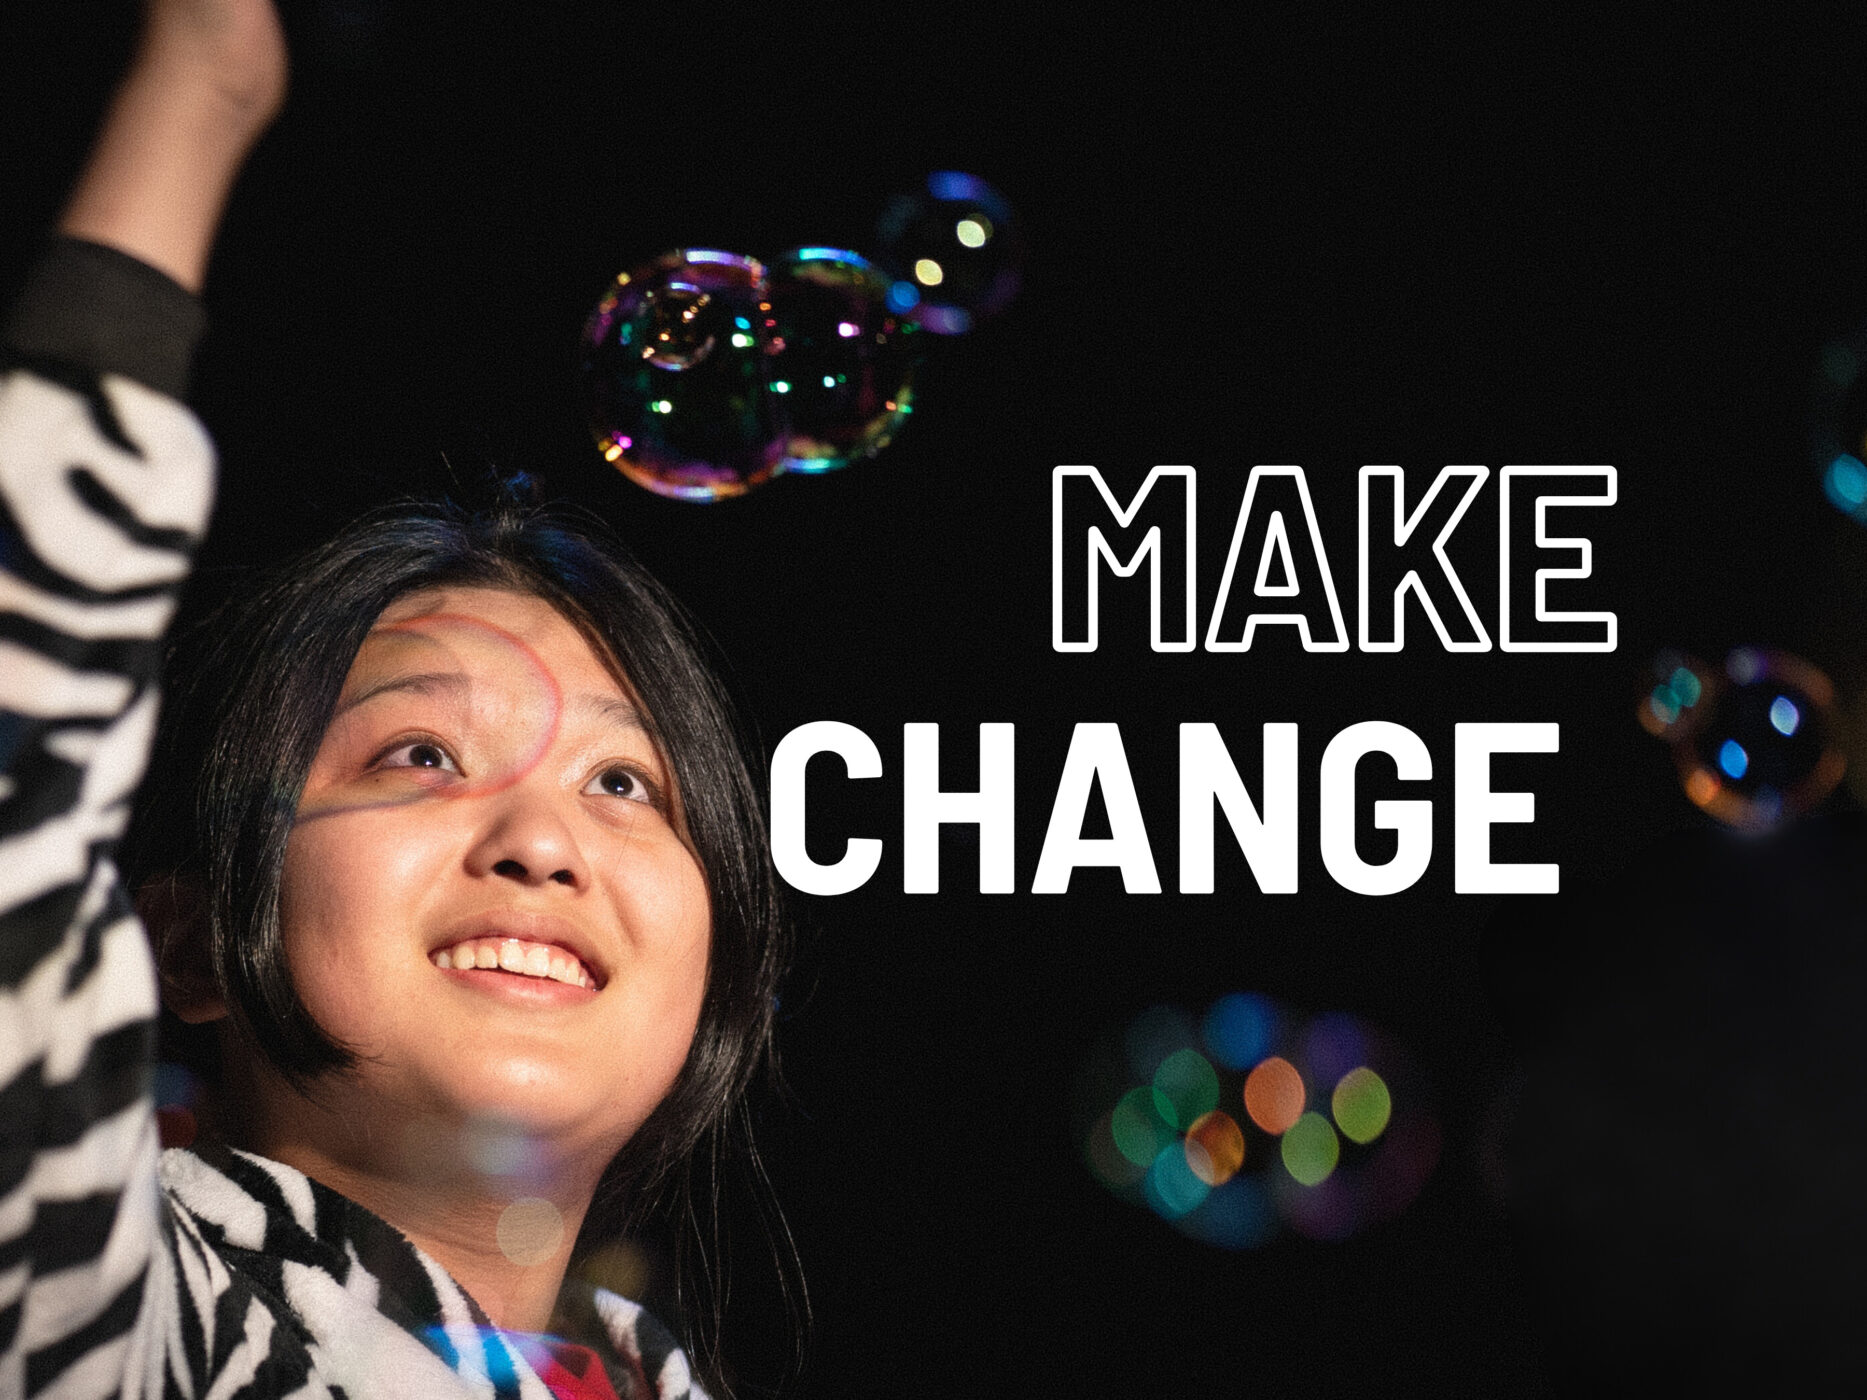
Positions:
(208, 77)
(233, 49)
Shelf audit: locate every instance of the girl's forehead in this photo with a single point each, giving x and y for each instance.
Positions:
(500, 607)
(477, 628)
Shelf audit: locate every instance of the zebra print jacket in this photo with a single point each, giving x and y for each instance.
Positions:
(125, 1271)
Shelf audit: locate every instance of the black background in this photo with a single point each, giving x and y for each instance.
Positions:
(1505, 240)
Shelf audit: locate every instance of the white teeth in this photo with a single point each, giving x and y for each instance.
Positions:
(515, 955)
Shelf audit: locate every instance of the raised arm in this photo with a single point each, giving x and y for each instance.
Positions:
(207, 79)
(105, 482)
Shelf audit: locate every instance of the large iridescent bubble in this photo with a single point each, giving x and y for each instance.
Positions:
(676, 374)
(843, 361)
(952, 251)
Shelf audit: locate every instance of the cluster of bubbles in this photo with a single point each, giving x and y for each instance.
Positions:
(1753, 740)
(1246, 1120)
(706, 374)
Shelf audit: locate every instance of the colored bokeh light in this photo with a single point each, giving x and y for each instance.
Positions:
(1142, 1124)
(1361, 1105)
(1112, 1167)
(1187, 1083)
(1238, 1215)
(1332, 1045)
(1172, 1187)
(1675, 685)
(1215, 1148)
(1838, 425)
(1240, 1029)
(1154, 1137)
(1310, 1149)
(1274, 1095)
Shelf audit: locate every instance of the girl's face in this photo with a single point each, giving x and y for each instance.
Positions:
(487, 893)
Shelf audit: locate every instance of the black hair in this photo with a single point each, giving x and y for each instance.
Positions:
(251, 692)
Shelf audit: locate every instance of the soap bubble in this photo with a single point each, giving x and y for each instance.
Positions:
(843, 361)
(952, 252)
(1760, 748)
(676, 376)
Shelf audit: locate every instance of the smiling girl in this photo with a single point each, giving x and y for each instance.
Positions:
(450, 852)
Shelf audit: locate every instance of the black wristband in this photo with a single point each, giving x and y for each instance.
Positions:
(99, 309)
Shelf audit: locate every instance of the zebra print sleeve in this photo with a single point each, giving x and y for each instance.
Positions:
(105, 484)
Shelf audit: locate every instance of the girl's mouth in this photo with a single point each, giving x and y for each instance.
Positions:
(527, 959)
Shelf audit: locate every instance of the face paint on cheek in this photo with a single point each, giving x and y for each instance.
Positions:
(418, 673)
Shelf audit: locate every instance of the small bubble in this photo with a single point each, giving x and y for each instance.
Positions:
(957, 238)
(845, 358)
(675, 373)
(1760, 747)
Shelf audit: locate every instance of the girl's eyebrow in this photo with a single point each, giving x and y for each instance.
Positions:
(421, 683)
(614, 708)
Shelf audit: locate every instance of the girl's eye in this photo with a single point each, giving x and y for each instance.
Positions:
(621, 782)
(422, 753)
